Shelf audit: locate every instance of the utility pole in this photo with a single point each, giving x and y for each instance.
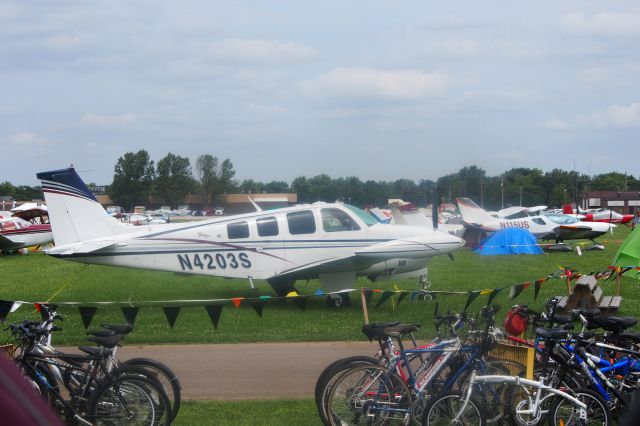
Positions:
(502, 191)
(520, 196)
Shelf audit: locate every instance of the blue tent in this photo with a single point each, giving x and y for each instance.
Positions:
(509, 241)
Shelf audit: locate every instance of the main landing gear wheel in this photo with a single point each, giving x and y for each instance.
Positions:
(340, 300)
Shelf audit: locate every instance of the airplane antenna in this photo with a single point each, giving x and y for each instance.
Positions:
(256, 206)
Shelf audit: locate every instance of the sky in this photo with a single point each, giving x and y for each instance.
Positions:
(380, 90)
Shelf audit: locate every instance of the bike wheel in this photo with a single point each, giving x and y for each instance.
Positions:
(564, 413)
(328, 377)
(443, 409)
(165, 376)
(369, 395)
(129, 400)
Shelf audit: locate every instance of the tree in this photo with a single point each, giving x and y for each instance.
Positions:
(133, 179)
(214, 178)
(174, 179)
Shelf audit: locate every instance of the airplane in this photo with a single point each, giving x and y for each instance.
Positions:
(334, 242)
(405, 213)
(544, 226)
(25, 228)
(599, 215)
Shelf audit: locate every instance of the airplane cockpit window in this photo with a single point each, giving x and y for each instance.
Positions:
(336, 220)
(562, 219)
(238, 230)
(301, 222)
(538, 220)
(267, 226)
(366, 217)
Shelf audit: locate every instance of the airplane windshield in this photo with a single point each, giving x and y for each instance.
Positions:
(562, 219)
(366, 217)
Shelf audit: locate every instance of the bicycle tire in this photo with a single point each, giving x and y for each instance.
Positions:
(369, 395)
(442, 409)
(328, 377)
(165, 376)
(563, 412)
(129, 400)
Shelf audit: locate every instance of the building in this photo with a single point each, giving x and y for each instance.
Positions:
(623, 202)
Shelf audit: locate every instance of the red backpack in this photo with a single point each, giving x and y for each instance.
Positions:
(515, 323)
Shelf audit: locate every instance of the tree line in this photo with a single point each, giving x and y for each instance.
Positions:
(172, 178)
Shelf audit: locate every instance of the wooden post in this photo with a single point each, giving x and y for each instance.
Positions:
(568, 285)
(365, 311)
(617, 284)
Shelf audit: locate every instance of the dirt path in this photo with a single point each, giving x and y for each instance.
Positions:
(248, 371)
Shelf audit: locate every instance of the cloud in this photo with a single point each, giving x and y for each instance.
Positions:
(110, 120)
(368, 82)
(614, 116)
(266, 108)
(556, 123)
(603, 24)
(258, 50)
(26, 139)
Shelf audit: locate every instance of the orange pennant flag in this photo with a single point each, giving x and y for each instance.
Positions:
(236, 301)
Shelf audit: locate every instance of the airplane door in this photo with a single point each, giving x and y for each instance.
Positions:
(270, 256)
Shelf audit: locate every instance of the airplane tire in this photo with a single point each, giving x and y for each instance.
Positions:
(341, 300)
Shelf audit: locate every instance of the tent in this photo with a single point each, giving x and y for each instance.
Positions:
(629, 253)
(509, 241)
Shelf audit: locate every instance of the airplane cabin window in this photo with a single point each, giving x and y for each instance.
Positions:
(238, 230)
(301, 222)
(335, 220)
(538, 221)
(267, 226)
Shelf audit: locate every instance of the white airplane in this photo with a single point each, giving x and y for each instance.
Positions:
(330, 241)
(405, 213)
(17, 233)
(546, 226)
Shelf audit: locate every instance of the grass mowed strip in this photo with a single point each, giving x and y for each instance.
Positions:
(37, 277)
(300, 412)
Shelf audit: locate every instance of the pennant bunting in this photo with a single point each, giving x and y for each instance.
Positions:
(493, 295)
(386, 295)
(472, 295)
(130, 313)
(515, 291)
(5, 308)
(171, 312)
(538, 285)
(402, 295)
(87, 313)
(214, 312)
(319, 292)
(258, 306)
(301, 302)
(237, 301)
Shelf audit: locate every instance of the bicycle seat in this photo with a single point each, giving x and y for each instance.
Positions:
(614, 324)
(551, 333)
(118, 328)
(90, 350)
(101, 333)
(384, 330)
(634, 337)
(107, 341)
(562, 319)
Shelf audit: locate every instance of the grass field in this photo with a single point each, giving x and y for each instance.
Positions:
(37, 277)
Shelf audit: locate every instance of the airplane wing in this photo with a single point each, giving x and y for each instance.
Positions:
(577, 232)
(7, 244)
(334, 265)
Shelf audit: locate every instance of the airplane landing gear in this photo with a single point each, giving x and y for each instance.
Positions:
(340, 300)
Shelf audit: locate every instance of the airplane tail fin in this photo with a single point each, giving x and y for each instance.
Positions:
(473, 213)
(75, 213)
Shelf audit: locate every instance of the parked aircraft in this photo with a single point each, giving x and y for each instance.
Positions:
(334, 242)
(545, 226)
(17, 233)
(599, 215)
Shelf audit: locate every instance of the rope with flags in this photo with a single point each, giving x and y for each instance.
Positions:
(214, 307)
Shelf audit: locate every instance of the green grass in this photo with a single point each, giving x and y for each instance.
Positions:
(265, 413)
(37, 277)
